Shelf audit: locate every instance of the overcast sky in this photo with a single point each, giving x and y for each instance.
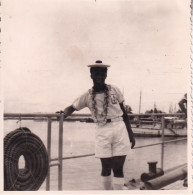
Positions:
(49, 43)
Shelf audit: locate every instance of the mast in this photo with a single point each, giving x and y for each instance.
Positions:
(140, 102)
(154, 106)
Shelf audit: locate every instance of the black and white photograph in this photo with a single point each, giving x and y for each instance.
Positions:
(96, 96)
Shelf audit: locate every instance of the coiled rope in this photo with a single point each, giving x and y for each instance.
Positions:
(23, 142)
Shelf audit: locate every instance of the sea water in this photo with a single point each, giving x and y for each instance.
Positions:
(78, 139)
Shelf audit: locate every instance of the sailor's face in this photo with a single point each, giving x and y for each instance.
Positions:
(98, 75)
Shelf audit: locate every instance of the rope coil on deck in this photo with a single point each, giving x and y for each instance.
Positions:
(23, 142)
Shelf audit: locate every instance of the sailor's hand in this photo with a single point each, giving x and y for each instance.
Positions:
(132, 140)
(67, 111)
(63, 112)
(60, 112)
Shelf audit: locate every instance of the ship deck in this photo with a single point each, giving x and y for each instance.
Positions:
(83, 174)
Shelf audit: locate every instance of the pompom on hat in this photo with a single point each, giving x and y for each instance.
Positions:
(99, 64)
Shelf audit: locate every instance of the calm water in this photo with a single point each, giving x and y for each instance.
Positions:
(79, 139)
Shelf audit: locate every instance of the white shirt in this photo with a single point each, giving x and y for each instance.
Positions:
(113, 111)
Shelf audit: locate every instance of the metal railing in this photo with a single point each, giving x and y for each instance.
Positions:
(50, 117)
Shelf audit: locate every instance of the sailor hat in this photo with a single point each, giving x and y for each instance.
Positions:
(99, 64)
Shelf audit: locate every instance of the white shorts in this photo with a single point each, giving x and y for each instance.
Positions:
(112, 139)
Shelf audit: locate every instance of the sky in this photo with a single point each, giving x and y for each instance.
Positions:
(47, 45)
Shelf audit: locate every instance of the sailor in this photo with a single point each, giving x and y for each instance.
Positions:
(113, 129)
(183, 104)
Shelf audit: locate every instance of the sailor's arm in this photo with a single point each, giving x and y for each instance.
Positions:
(128, 125)
(67, 111)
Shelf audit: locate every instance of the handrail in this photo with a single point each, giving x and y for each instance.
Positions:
(87, 115)
(165, 142)
(31, 115)
(71, 157)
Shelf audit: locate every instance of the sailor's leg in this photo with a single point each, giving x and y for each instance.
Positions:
(117, 166)
(106, 173)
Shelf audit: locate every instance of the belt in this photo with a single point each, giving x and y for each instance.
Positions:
(114, 119)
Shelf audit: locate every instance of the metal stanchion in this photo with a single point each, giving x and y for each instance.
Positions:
(49, 152)
(60, 152)
(162, 145)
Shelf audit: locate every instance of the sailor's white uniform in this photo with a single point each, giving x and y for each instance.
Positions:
(111, 137)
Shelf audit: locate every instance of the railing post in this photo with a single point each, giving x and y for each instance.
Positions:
(162, 145)
(49, 152)
(60, 152)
